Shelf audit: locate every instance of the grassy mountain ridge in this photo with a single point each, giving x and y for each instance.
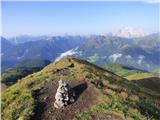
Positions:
(138, 76)
(122, 70)
(143, 78)
(147, 80)
(117, 94)
(26, 67)
(11, 76)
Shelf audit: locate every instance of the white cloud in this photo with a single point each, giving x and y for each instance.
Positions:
(69, 52)
(140, 59)
(128, 57)
(114, 57)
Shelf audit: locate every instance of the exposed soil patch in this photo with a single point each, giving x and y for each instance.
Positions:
(151, 83)
(86, 97)
(3, 86)
(64, 71)
(105, 116)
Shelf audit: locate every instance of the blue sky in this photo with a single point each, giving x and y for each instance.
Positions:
(43, 18)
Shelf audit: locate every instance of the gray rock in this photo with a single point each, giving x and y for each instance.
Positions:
(72, 100)
(64, 95)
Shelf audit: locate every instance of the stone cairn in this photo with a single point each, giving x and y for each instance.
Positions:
(64, 95)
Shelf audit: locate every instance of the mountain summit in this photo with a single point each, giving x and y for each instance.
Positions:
(100, 94)
(129, 32)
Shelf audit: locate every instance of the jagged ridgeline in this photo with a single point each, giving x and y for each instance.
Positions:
(104, 95)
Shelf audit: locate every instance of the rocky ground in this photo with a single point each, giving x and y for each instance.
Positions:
(3, 86)
(86, 97)
(105, 116)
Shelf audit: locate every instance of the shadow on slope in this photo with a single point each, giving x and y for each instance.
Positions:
(86, 96)
(152, 83)
(79, 89)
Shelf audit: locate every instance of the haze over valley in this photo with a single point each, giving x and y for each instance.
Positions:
(140, 52)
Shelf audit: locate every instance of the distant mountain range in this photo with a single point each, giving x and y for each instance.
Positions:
(12, 54)
(140, 52)
(129, 32)
(27, 38)
(5, 45)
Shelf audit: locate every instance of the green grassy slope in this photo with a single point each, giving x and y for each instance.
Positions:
(147, 80)
(118, 95)
(121, 70)
(138, 76)
(157, 70)
(26, 67)
(144, 79)
(11, 76)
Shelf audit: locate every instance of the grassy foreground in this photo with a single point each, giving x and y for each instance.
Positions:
(118, 95)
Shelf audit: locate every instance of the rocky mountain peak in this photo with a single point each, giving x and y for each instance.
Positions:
(129, 32)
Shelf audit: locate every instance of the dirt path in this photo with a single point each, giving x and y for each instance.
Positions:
(86, 97)
(105, 116)
(3, 86)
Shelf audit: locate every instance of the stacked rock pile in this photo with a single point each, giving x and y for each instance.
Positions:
(64, 95)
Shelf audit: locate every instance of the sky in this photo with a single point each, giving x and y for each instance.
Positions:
(76, 18)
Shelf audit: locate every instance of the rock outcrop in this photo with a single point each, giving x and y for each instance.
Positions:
(64, 95)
